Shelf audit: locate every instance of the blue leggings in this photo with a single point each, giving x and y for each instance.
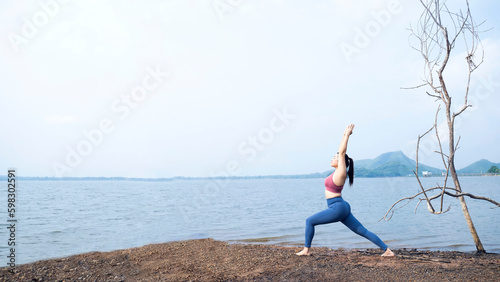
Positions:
(339, 210)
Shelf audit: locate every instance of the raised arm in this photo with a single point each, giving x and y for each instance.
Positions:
(345, 139)
(340, 174)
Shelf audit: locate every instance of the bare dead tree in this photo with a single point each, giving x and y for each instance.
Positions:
(436, 35)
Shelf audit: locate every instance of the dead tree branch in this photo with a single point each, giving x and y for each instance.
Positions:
(436, 35)
(447, 190)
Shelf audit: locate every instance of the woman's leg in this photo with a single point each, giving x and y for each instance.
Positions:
(335, 212)
(352, 223)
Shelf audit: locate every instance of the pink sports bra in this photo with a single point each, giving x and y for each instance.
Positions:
(330, 185)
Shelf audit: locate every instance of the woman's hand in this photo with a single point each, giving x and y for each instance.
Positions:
(348, 130)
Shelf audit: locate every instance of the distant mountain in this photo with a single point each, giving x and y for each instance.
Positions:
(390, 164)
(480, 166)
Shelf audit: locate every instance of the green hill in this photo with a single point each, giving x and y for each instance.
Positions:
(480, 166)
(390, 164)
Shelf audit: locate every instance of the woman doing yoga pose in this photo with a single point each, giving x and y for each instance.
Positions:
(338, 209)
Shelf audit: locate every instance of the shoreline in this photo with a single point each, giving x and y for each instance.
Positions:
(257, 242)
(211, 260)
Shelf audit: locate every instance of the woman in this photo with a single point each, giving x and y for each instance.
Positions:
(338, 209)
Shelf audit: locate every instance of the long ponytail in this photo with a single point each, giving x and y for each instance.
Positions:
(350, 164)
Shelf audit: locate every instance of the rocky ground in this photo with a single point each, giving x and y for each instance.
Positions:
(210, 260)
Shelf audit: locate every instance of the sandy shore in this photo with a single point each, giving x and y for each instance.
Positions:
(210, 260)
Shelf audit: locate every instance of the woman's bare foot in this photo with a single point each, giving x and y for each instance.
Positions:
(304, 252)
(388, 253)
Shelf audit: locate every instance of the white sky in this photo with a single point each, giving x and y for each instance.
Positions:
(271, 71)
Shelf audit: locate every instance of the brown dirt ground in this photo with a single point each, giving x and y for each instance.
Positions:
(210, 260)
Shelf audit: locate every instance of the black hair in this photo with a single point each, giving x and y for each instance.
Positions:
(350, 164)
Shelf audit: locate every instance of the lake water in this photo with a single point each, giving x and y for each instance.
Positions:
(62, 218)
